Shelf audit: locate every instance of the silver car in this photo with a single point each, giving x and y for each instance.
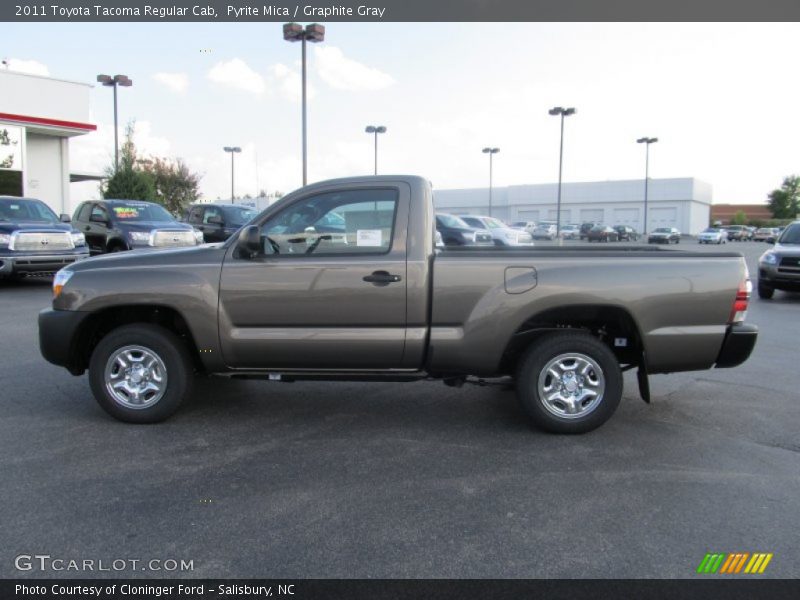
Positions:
(502, 234)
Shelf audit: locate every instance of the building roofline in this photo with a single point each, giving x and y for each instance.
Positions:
(47, 77)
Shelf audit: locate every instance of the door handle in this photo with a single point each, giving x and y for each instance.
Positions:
(381, 278)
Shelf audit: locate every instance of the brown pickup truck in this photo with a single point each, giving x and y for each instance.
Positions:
(341, 280)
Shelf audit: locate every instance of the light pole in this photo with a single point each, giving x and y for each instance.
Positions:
(491, 152)
(563, 112)
(294, 32)
(233, 150)
(109, 81)
(376, 129)
(646, 141)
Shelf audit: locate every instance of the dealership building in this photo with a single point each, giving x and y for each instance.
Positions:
(684, 203)
(38, 116)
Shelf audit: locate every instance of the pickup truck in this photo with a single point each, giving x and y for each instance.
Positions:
(341, 280)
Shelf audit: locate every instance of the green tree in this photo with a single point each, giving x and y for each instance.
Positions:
(128, 182)
(785, 201)
(740, 218)
(176, 187)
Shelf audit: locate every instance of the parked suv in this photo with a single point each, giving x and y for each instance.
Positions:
(115, 225)
(626, 233)
(502, 234)
(585, 227)
(456, 232)
(34, 241)
(738, 233)
(779, 267)
(218, 221)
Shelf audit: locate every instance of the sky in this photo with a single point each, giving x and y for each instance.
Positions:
(721, 98)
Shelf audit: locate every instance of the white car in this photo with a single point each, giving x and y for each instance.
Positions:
(528, 226)
(712, 235)
(570, 232)
(502, 234)
(545, 230)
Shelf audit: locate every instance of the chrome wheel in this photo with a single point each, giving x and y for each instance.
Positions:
(135, 377)
(571, 385)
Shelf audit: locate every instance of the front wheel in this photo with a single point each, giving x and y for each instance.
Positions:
(140, 373)
(765, 292)
(569, 382)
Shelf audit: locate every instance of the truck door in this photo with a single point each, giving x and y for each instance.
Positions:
(328, 288)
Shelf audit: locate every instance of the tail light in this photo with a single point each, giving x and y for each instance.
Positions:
(739, 308)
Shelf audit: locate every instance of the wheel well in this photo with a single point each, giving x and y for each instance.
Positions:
(606, 323)
(103, 322)
(117, 243)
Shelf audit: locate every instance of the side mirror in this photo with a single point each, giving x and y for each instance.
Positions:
(249, 241)
(64, 218)
(215, 220)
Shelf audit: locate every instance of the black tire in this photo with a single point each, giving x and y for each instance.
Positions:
(168, 347)
(765, 292)
(533, 364)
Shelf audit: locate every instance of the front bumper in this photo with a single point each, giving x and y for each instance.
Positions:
(38, 263)
(737, 346)
(58, 337)
(779, 277)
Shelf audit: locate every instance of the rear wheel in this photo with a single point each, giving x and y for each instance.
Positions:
(569, 382)
(140, 373)
(765, 292)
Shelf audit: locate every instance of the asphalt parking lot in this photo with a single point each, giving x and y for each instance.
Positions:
(259, 479)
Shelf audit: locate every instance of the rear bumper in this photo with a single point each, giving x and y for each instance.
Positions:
(58, 336)
(737, 346)
(21, 262)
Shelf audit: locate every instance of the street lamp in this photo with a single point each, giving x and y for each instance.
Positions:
(233, 150)
(491, 152)
(294, 32)
(646, 141)
(376, 129)
(563, 112)
(114, 82)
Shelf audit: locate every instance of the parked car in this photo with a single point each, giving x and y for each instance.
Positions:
(385, 306)
(218, 221)
(570, 232)
(585, 227)
(626, 233)
(779, 267)
(116, 225)
(763, 234)
(502, 234)
(664, 235)
(545, 230)
(34, 241)
(737, 233)
(456, 232)
(602, 233)
(528, 226)
(712, 235)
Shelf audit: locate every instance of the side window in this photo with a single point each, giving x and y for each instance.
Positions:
(211, 211)
(84, 211)
(342, 222)
(196, 214)
(99, 214)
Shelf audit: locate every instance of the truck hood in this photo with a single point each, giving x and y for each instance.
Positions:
(154, 257)
(11, 227)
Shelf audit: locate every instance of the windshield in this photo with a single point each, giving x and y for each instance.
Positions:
(452, 221)
(790, 235)
(711, 230)
(24, 210)
(139, 211)
(662, 230)
(494, 223)
(239, 216)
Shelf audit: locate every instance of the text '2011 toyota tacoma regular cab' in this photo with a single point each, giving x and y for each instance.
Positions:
(341, 280)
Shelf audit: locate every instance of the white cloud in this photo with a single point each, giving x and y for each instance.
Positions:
(33, 67)
(344, 73)
(177, 82)
(289, 83)
(236, 73)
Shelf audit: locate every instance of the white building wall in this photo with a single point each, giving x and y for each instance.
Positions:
(45, 177)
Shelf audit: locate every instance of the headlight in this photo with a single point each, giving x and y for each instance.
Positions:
(5, 239)
(469, 236)
(139, 236)
(198, 236)
(78, 239)
(60, 280)
(769, 258)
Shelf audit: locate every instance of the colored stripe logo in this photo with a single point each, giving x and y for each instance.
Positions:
(734, 563)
